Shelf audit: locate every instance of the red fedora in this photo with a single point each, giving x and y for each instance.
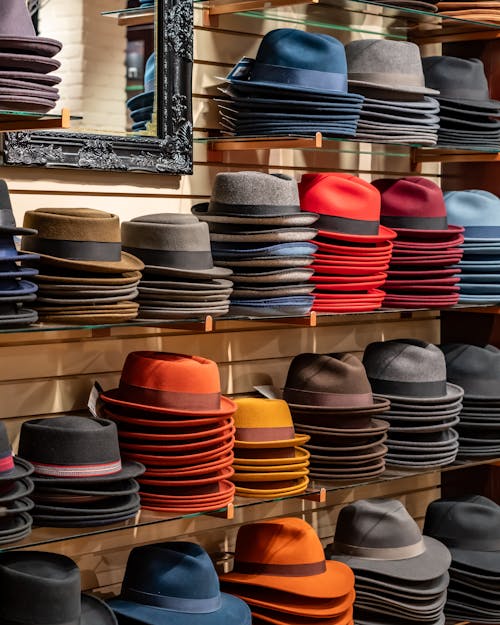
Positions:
(183, 447)
(200, 468)
(188, 459)
(187, 434)
(349, 207)
(146, 419)
(186, 480)
(339, 248)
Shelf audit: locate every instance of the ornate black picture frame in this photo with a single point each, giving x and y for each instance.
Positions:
(169, 153)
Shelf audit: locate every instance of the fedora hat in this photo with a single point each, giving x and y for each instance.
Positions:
(409, 369)
(166, 383)
(386, 65)
(172, 244)
(329, 383)
(380, 536)
(84, 239)
(476, 369)
(11, 468)
(71, 449)
(478, 211)
(349, 207)
(175, 582)
(17, 32)
(37, 587)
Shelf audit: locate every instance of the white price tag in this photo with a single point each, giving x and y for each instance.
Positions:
(269, 391)
(94, 399)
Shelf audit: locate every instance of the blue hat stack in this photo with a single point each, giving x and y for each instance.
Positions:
(141, 106)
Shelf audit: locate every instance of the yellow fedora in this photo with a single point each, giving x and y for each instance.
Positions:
(265, 423)
(240, 467)
(291, 487)
(272, 457)
(277, 476)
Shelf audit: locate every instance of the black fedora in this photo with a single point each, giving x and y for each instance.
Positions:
(11, 468)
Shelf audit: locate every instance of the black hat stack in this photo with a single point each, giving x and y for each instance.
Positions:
(425, 407)
(80, 479)
(477, 370)
(470, 527)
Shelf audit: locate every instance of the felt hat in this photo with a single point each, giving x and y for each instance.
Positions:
(171, 384)
(37, 587)
(175, 582)
(7, 219)
(476, 369)
(172, 244)
(17, 32)
(11, 468)
(478, 211)
(349, 207)
(84, 239)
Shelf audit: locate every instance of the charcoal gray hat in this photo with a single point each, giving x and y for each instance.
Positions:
(476, 369)
(411, 370)
(388, 65)
(379, 536)
(172, 244)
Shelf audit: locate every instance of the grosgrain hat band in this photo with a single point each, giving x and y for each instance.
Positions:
(6, 463)
(172, 400)
(174, 604)
(264, 210)
(387, 78)
(380, 553)
(255, 435)
(309, 78)
(346, 225)
(420, 223)
(90, 470)
(282, 570)
(408, 389)
(180, 259)
(75, 250)
(333, 400)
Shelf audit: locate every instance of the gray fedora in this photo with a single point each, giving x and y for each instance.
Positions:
(172, 244)
(475, 368)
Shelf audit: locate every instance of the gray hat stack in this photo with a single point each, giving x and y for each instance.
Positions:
(401, 576)
(180, 280)
(397, 107)
(259, 232)
(477, 370)
(425, 407)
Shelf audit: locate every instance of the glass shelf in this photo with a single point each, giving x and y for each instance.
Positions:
(28, 120)
(136, 16)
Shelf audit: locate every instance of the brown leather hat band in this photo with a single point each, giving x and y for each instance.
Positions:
(255, 435)
(380, 553)
(313, 398)
(283, 570)
(172, 400)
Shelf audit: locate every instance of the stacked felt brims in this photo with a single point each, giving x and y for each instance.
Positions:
(85, 277)
(297, 85)
(468, 118)
(471, 10)
(397, 107)
(331, 400)
(421, 272)
(401, 576)
(141, 106)
(269, 460)
(26, 63)
(425, 408)
(80, 479)
(477, 370)
(354, 250)
(479, 213)
(172, 418)
(15, 290)
(179, 280)
(470, 527)
(258, 231)
(280, 571)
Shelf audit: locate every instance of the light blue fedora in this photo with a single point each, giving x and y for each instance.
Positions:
(477, 210)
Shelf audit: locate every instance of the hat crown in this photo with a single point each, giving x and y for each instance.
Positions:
(456, 78)
(15, 19)
(473, 207)
(252, 188)
(476, 369)
(149, 74)
(259, 419)
(6, 213)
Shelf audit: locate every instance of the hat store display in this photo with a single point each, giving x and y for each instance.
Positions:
(425, 408)
(84, 276)
(400, 574)
(354, 250)
(141, 106)
(258, 231)
(398, 107)
(172, 418)
(479, 213)
(26, 62)
(331, 401)
(296, 85)
(179, 280)
(470, 527)
(280, 571)
(422, 272)
(175, 582)
(269, 460)
(468, 118)
(477, 370)
(80, 478)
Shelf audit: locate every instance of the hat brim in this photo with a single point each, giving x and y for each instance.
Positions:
(127, 278)
(392, 88)
(126, 504)
(150, 460)
(220, 463)
(42, 46)
(270, 476)
(129, 470)
(96, 612)
(300, 439)
(453, 393)
(300, 456)
(20, 488)
(380, 404)
(384, 234)
(214, 272)
(125, 264)
(377, 426)
(43, 520)
(286, 219)
(189, 481)
(21, 470)
(276, 617)
(113, 489)
(294, 487)
(182, 446)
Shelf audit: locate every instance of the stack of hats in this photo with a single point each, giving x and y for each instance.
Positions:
(269, 460)
(397, 107)
(80, 479)
(424, 407)
(297, 85)
(15, 487)
(401, 576)
(470, 527)
(477, 370)
(85, 278)
(479, 212)
(175, 582)
(467, 114)
(15, 290)
(421, 273)
(26, 62)
(179, 280)
(141, 105)
(415, 5)
(172, 418)
(281, 572)
(354, 250)
(483, 11)
(331, 400)
(258, 231)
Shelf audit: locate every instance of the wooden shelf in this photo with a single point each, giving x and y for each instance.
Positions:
(217, 147)
(25, 122)
(420, 156)
(132, 17)
(452, 34)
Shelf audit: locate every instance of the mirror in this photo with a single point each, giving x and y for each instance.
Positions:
(126, 79)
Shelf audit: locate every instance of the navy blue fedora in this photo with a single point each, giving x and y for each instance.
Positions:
(175, 583)
(478, 211)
